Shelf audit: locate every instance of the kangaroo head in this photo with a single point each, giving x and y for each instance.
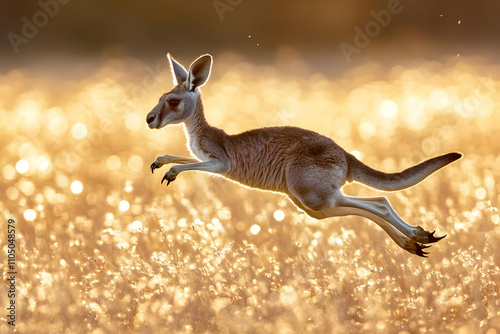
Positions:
(179, 104)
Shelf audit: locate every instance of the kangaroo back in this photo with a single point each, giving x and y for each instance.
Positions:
(361, 173)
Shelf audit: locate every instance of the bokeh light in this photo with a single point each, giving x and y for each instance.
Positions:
(438, 99)
(279, 215)
(113, 162)
(76, 187)
(8, 172)
(134, 121)
(124, 206)
(481, 193)
(57, 123)
(388, 109)
(128, 186)
(43, 163)
(135, 163)
(30, 215)
(22, 166)
(255, 229)
(135, 226)
(62, 180)
(12, 193)
(218, 245)
(102, 246)
(367, 130)
(79, 130)
(27, 187)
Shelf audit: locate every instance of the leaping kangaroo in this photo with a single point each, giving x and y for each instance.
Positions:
(306, 166)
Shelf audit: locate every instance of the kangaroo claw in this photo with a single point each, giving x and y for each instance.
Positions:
(168, 178)
(432, 238)
(420, 251)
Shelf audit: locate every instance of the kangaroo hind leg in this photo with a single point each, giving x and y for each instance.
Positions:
(381, 207)
(399, 238)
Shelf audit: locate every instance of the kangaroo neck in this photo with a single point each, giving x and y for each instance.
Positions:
(200, 134)
(197, 124)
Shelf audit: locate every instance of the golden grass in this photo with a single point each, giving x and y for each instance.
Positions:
(129, 255)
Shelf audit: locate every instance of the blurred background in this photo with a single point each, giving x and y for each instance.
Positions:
(85, 31)
(102, 247)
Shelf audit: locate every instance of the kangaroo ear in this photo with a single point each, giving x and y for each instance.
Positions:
(179, 73)
(199, 72)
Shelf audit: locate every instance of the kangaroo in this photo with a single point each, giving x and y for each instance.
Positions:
(309, 168)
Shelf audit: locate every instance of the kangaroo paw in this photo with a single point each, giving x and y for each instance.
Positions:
(420, 250)
(169, 177)
(154, 166)
(425, 237)
(415, 247)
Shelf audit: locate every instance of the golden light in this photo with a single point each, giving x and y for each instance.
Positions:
(113, 162)
(43, 163)
(134, 121)
(9, 172)
(367, 130)
(240, 226)
(135, 226)
(438, 99)
(12, 193)
(481, 193)
(255, 229)
(357, 154)
(30, 113)
(279, 215)
(79, 131)
(56, 122)
(135, 163)
(495, 219)
(387, 123)
(124, 206)
(22, 166)
(388, 109)
(30, 215)
(27, 187)
(62, 180)
(128, 186)
(414, 115)
(76, 187)
(27, 150)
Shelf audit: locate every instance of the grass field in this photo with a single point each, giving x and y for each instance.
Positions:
(102, 247)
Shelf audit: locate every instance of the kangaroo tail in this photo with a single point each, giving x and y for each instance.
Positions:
(361, 173)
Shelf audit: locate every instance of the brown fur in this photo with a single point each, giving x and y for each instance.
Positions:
(306, 166)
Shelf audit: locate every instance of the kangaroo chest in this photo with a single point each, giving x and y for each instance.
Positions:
(195, 147)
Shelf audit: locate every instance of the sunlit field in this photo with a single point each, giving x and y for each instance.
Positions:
(105, 248)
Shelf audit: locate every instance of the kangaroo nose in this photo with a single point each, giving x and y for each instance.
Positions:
(150, 118)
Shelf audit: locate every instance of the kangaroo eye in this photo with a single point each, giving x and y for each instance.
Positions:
(174, 102)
